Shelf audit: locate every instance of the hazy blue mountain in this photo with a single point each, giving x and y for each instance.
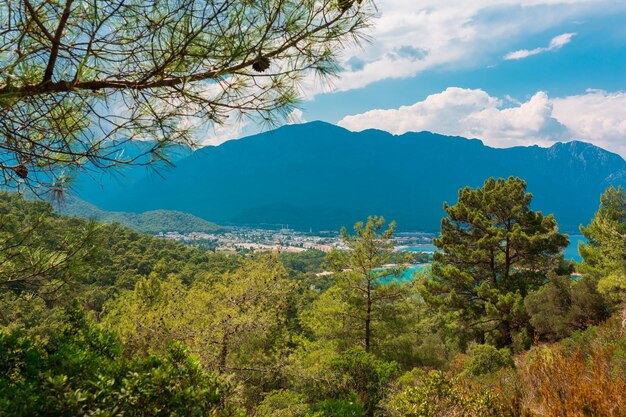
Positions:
(95, 185)
(321, 176)
(153, 221)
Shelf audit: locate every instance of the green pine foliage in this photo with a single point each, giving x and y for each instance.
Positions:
(494, 250)
(603, 254)
(364, 305)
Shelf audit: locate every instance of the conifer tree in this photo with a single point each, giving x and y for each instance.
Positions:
(493, 250)
(366, 306)
(604, 254)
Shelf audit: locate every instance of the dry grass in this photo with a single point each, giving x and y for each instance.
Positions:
(587, 382)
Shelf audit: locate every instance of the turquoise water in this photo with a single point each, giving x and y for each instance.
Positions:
(571, 252)
(408, 274)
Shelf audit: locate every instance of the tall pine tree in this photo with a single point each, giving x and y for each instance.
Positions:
(367, 306)
(604, 254)
(493, 250)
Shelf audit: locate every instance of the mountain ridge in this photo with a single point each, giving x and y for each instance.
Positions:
(322, 176)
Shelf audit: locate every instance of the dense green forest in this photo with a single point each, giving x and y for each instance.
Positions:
(96, 319)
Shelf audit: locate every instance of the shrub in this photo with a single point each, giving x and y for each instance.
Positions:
(283, 403)
(360, 373)
(486, 359)
(439, 395)
(80, 372)
(563, 306)
(339, 408)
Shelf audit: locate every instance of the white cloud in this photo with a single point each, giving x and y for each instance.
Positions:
(296, 117)
(411, 37)
(596, 116)
(558, 41)
(555, 44)
(469, 113)
(218, 134)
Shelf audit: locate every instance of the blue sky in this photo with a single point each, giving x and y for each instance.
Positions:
(508, 72)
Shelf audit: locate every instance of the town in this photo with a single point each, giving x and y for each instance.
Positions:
(284, 239)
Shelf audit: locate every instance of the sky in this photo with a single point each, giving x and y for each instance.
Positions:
(507, 72)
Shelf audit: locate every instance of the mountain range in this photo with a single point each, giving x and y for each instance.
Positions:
(321, 176)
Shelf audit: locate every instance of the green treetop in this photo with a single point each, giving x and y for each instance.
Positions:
(363, 304)
(493, 250)
(604, 254)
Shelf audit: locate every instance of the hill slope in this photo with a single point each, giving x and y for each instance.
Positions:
(154, 221)
(322, 176)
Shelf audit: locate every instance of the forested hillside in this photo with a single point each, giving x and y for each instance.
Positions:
(95, 318)
(154, 221)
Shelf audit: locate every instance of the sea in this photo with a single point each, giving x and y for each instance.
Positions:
(571, 253)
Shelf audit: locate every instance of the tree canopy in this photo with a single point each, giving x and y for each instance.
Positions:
(493, 250)
(361, 295)
(78, 79)
(81, 372)
(604, 253)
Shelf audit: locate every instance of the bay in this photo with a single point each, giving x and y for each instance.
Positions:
(571, 251)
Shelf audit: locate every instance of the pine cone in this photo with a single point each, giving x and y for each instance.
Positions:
(21, 171)
(344, 5)
(261, 64)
